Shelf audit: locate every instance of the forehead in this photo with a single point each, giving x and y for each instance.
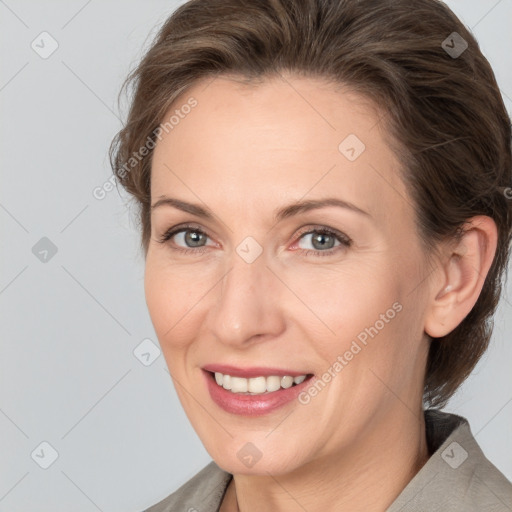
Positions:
(272, 142)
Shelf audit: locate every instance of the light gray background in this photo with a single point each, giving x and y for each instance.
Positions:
(69, 326)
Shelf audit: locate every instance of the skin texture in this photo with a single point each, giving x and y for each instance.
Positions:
(243, 152)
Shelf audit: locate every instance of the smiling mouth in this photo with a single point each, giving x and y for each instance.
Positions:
(260, 385)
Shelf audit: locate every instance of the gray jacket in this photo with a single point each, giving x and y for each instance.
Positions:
(457, 477)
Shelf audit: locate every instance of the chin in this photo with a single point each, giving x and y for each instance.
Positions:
(248, 459)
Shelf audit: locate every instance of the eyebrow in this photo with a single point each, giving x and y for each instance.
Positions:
(279, 215)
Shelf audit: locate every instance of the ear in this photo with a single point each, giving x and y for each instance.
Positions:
(461, 276)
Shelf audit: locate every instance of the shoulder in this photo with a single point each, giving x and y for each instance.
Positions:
(458, 476)
(204, 492)
(484, 486)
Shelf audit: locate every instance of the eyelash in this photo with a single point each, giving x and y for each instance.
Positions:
(344, 240)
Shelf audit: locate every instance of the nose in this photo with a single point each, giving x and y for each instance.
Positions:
(246, 304)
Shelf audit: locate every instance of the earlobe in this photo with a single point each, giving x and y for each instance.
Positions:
(461, 276)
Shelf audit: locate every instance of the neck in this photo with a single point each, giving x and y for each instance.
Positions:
(367, 477)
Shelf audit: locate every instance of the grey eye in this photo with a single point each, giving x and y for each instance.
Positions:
(319, 240)
(191, 238)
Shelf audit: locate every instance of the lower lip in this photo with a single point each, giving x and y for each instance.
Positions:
(252, 405)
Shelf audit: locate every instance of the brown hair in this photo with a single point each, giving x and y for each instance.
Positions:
(444, 112)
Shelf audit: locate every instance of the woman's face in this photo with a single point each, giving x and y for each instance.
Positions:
(337, 292)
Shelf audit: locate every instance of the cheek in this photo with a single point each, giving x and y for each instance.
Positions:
(350, 301)
(171, 303)
(372, 326)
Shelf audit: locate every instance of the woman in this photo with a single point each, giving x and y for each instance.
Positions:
(323, 193)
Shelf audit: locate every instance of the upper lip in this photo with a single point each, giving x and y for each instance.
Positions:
(253, 371)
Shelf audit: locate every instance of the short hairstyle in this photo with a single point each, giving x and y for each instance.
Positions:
(443, 114)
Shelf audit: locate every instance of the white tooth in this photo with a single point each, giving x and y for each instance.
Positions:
(257, 385)
(226, 381)
(273, 383)
(286, 381)
(238, 385)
